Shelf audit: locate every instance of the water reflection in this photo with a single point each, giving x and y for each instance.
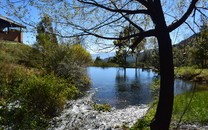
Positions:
(131, 90)
(121, 88)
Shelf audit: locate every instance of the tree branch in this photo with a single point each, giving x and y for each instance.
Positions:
(143, 2)
(130, 21)
(142, 11)
(184, 17)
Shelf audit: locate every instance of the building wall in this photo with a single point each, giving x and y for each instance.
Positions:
(11, 35)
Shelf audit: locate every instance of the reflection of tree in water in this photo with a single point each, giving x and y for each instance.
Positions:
(182, 86)
(130, 91)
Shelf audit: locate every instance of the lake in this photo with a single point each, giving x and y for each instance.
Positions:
(120, 89)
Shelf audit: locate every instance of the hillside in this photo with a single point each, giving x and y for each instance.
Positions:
(35, 84)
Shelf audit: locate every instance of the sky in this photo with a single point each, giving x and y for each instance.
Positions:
(30, 37)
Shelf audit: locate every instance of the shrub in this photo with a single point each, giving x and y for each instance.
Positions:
(46, 95)
(29, 99)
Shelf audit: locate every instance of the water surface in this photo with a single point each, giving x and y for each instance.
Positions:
(118, 88)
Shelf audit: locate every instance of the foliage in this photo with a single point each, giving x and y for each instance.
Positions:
(155, 87)
(45, 29)
(192, 73)
(122, 46)
(102, 107)
(29, 99)
(11, 52)
(72, 65)
(101, 63)
(46, 95)
(144, 122)
(31, 90)
(200, 49)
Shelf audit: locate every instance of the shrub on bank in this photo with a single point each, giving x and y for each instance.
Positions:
(192, 73)
(29, 99)
(32, 91)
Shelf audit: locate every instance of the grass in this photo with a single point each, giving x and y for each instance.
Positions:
(196, 113)
(192, 73)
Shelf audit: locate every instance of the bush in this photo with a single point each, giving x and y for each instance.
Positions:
(187, 73)
(29, 99)
(46, 95)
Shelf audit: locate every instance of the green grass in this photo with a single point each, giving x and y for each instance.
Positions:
(197, 110)
(196, 113)
(192, 73)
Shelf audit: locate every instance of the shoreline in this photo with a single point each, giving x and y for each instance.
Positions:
(80, 114)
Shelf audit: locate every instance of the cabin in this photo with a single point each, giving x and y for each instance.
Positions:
(10, 30)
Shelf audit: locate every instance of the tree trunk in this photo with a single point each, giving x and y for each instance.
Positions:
(163, 113)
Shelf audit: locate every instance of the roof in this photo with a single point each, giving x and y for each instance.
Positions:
(6, 22)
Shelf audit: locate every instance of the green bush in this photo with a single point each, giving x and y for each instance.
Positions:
(32, 91)
(46, 94)
(29, 99)
(155, 87)
(187, 73)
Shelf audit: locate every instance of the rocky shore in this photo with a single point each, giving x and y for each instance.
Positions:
(79, 114)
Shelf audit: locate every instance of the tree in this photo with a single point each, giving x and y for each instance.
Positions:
(112, 15)
(46, 42)
(201, 47)
(123, 49)
(45, 31)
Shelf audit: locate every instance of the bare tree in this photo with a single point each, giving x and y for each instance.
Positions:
(105, 18)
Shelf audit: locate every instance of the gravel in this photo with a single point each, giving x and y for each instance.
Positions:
(79, 114)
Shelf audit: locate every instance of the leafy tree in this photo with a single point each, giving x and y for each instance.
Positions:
(46, 42)
(201, 47)
(45, 29)
(123, 45)
(97, 59)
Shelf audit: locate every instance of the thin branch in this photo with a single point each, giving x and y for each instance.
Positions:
(201, 13)
(142, 35)
(205, 8)
(190, 27)
(142, 11)
(130, 21)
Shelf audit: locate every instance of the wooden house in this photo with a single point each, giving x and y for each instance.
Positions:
(10, 30)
